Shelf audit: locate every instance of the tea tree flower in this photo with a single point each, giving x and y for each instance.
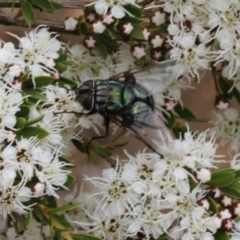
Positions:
(35, 49)
(226, 128)
(52, 174)
(114, 192)
(12, 199)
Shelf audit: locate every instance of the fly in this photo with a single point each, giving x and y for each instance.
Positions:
(127, 99)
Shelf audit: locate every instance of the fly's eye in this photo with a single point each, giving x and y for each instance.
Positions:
(85, 95)
(86, 101)
(89, 84)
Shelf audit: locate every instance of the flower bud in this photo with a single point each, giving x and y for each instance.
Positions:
(108, 19)
(156, 40)
(127, 28)
(99, 27)
(235, 209)
(70, 23)
(203, 175)
(89, 42)
(225, 201)
(227, 224)
(158, 17)
(204, 203)
(221, 103)
(138, 51)
(214, 192)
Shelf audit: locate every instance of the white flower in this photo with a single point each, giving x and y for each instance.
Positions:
(196, 226)
(114, 191)
(60, 100)
(84, 66)
(103, 226)
(12, 198)
(191, 58)
(53, 175)
(148, 220)
(35, 49)
(227, 128)
(139, 171)
(70, 23)
(8, 167)
(28, 156)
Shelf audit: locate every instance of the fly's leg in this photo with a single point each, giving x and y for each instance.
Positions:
(129, 78)
(127, 120)
(107, 122)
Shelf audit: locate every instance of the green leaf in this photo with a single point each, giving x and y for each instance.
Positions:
(62, 58)
(56, 5)
(222, 178)
(137, 33)
(221, 235)
(119, 135)
(35, 120)
(44, 5)
(91, 156)
(70, 180)
(179, 130)
(34, 94)
(65, 208)
(28, 132)
(101, 48)
(169, 119)
(132, 20)
(21, 122)
(83, 28)
(225, 87)
(37, 213)
(80, 145)
(232, 191)
(237, 173)
(162, 237)
(236, 94)
(63, 159)
(24, 111)
(27, 220)
(107, 40)
(82, 236)
(60, 67)
(183, 112)
(101, 151)
(121, 144)
(65, 81)
(161, 29)
(40, 81)
(213, 205)
(27, 11)
(62, 220)
(135, 11)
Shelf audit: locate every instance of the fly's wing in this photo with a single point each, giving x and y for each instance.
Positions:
(148, 127)
(156, 77)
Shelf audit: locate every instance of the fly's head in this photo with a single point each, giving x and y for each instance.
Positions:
(85, 95)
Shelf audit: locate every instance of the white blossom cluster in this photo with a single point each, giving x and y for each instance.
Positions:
(30, 166)
(151, 195)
